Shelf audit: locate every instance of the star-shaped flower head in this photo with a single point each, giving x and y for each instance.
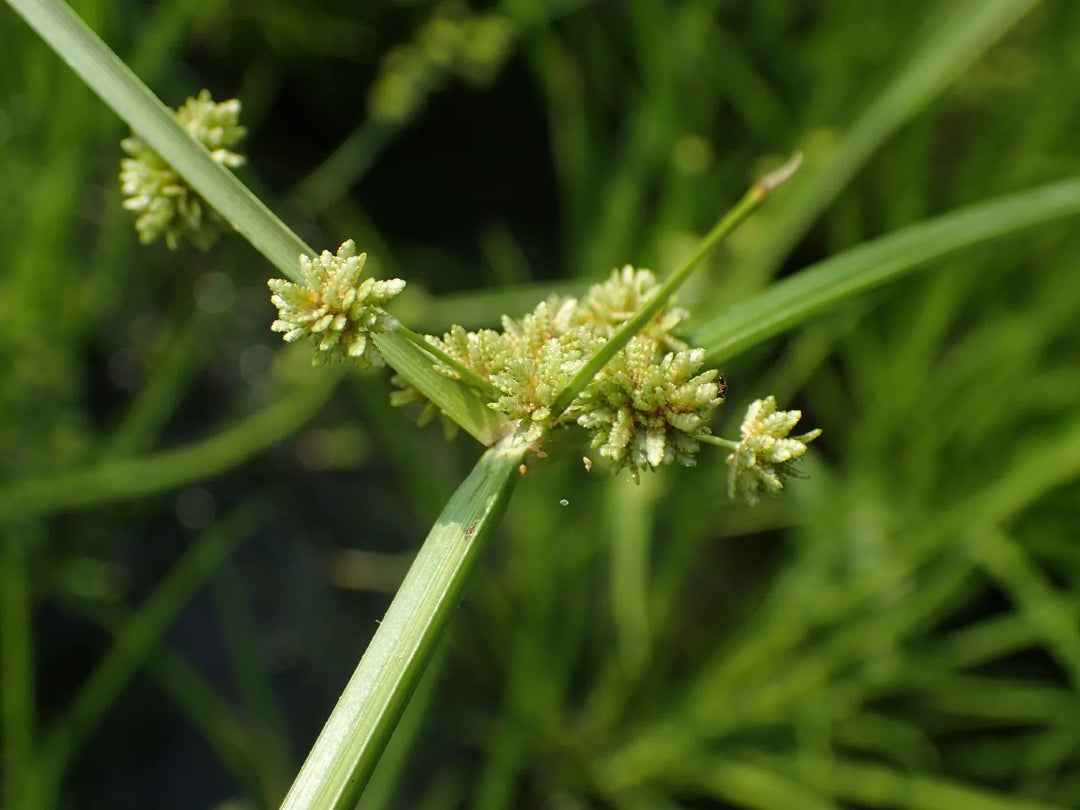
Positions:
(334, 308)
(643, 412)
(765, 456)
(166, 205)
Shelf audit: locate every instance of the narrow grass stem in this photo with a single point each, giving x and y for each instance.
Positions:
(796, 298)
(719, 441)
(347, 750)
(754, 197)
(467, 375)
(130, 477)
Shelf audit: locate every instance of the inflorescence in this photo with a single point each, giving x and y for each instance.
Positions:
(649, 406)
(453, 41)
(334, 307)
(765, 456)
(165, 204)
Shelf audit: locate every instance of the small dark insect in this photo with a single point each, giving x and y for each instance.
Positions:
(469, 532)
(721, 383)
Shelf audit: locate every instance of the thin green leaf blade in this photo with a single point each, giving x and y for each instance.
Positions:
(459, 402)
(338, 766)
(955, 45)
(792, 301)
(113, 480)
(107, 75)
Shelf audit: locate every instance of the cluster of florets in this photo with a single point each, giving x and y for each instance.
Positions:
(643, 412)
(765, 456)
(613, 302)
(166, 205)
(648, 406)
(335, 308)
(453, 40)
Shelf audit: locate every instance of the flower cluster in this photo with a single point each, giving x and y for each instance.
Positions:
(165, 204)
(612, 303)
(648, 406)
(334, 308)
(540, 354)
(643, 413)
(765, 455)
(452, 40)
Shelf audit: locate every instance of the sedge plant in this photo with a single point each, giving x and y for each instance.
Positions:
(613, 362)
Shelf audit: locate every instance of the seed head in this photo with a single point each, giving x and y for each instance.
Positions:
(335, 308)
(766, 455)
(165, 204)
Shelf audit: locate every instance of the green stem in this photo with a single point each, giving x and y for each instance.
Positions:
(728, 223)
(970, 30)
(466, 374)
(796, 298)
(719, 441)
(340, 763)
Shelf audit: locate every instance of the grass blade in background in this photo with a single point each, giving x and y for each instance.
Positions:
(347, 750)
(17, 692)
(131, 477)
(872, 785)
(793, 300)
(142, 632)
(954, 45)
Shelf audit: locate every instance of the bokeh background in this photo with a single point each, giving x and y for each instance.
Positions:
(898, 630)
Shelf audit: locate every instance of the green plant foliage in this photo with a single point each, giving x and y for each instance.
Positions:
(452, 40)
(901, 629)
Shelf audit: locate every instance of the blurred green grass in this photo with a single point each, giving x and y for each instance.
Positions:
(900, 630)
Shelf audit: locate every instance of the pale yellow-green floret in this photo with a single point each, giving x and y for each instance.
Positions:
(165, 205)
(765, 455)
(334, 307)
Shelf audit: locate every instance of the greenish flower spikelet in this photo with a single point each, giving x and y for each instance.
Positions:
(645, 408)
(453, 40)
(489, 40)
(613, 302)
(543, 351)
(643, 413)
(334, 308)
(765, 455)
(529, 361)
(166, 205)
